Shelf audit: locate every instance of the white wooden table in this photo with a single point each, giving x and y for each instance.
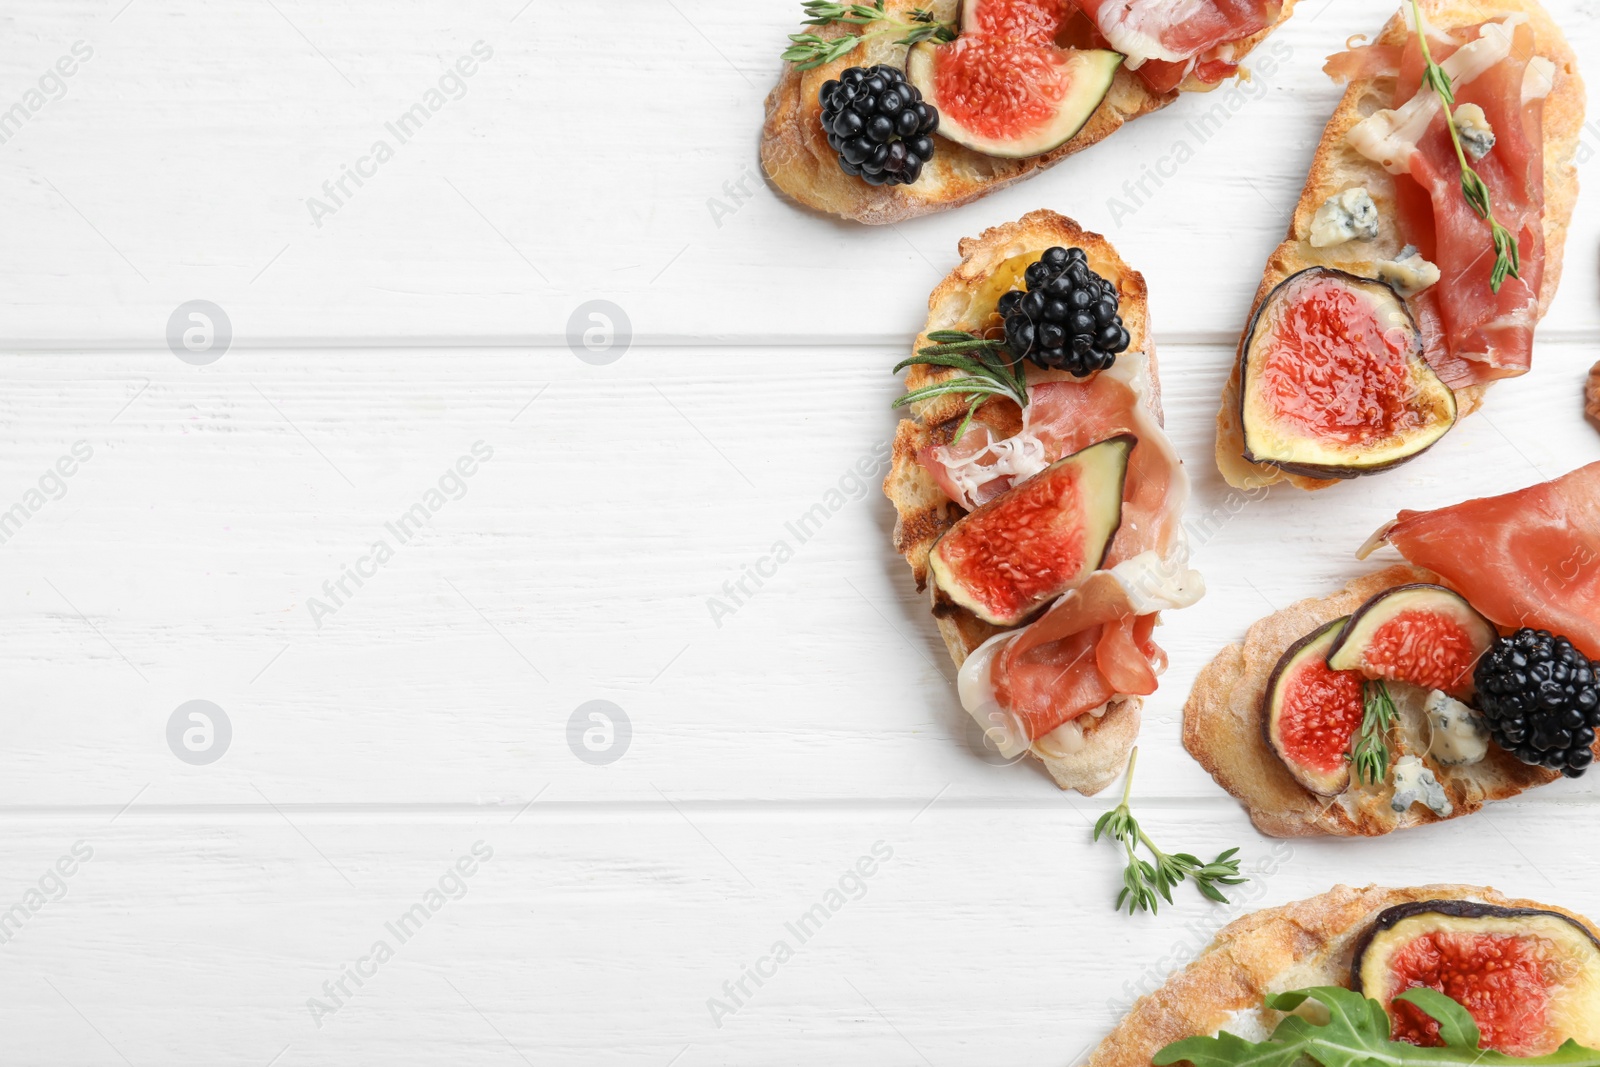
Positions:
(380, 734)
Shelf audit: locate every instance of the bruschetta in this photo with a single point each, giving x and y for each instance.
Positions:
(1039, 500)
(1524, 976)
(1421, 692)
(1426, 246)
(890, 109)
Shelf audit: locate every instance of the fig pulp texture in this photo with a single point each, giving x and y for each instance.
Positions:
(1009, 96)
(1426, 635)
(1334, 384)
(1529, 977)
(1312, 711)
(1011, 557)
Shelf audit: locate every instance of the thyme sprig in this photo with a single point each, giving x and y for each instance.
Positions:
(987, 370)
(1145, 885)
(1370, 754)
(810, 50)
(1507, 253)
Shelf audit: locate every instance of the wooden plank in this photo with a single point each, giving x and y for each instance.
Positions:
(600, 938)
(514, 203)
(199, 555)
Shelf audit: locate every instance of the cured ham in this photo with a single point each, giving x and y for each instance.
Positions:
(1476, 335)
(1095, 643)
(1529, 558)
(1365, 62)
(1089, 648)
(1166, 41)
(1063, 417)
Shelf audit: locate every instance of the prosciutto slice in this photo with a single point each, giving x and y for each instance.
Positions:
(1168, 40)
(1095, 643)
(1365, 62)
(1089, 648)
(1475, 334)
(1063, 417)
(1529, 558)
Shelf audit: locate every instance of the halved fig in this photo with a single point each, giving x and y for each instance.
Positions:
(1423, 634)
(1530, 978)
(1004, 96)
(1013, 556)
(1311, 711)
(1334, 380)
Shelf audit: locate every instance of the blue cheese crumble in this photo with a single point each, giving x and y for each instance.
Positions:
(1346, 216)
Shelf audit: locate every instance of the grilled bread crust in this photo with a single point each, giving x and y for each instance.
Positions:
(1591, 397)
(1307, 943)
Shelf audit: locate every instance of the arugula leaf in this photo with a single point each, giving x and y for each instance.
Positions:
(1456, 1025)
(1357, 1035)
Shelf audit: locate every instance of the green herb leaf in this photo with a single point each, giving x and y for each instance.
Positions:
(1507, 254)
(1370, 753)
(987, 370)
(862, 21)
(810, 51)
(1145, 885)
(1456, 1025)
(1357, 1035)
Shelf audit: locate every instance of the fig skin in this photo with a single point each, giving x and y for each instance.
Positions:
(1400, 593)
(1459, 909)
(1456, 909)
(1269, 717)
(949, 587)
(1096, 70)
(1422, 374)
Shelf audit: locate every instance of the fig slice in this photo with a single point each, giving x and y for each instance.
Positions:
(1011, 557)
(1334, 380)
(1530, 978)
(1008, 97)
(1426, 635)
(1311, 712)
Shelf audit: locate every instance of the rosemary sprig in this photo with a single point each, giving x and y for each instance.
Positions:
(987, 370)
(1507, 253)
(1370, 753)
(1145, 885)
(809, 50)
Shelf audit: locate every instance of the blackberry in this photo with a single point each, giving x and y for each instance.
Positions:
(1541, 699)
(1067, 320)
(879, 125)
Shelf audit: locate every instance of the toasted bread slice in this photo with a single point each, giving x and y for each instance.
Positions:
(925, 512)
(1297, 946)
(796, 156)
(1337, 167)
(1591, 397)
(1223, 730)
